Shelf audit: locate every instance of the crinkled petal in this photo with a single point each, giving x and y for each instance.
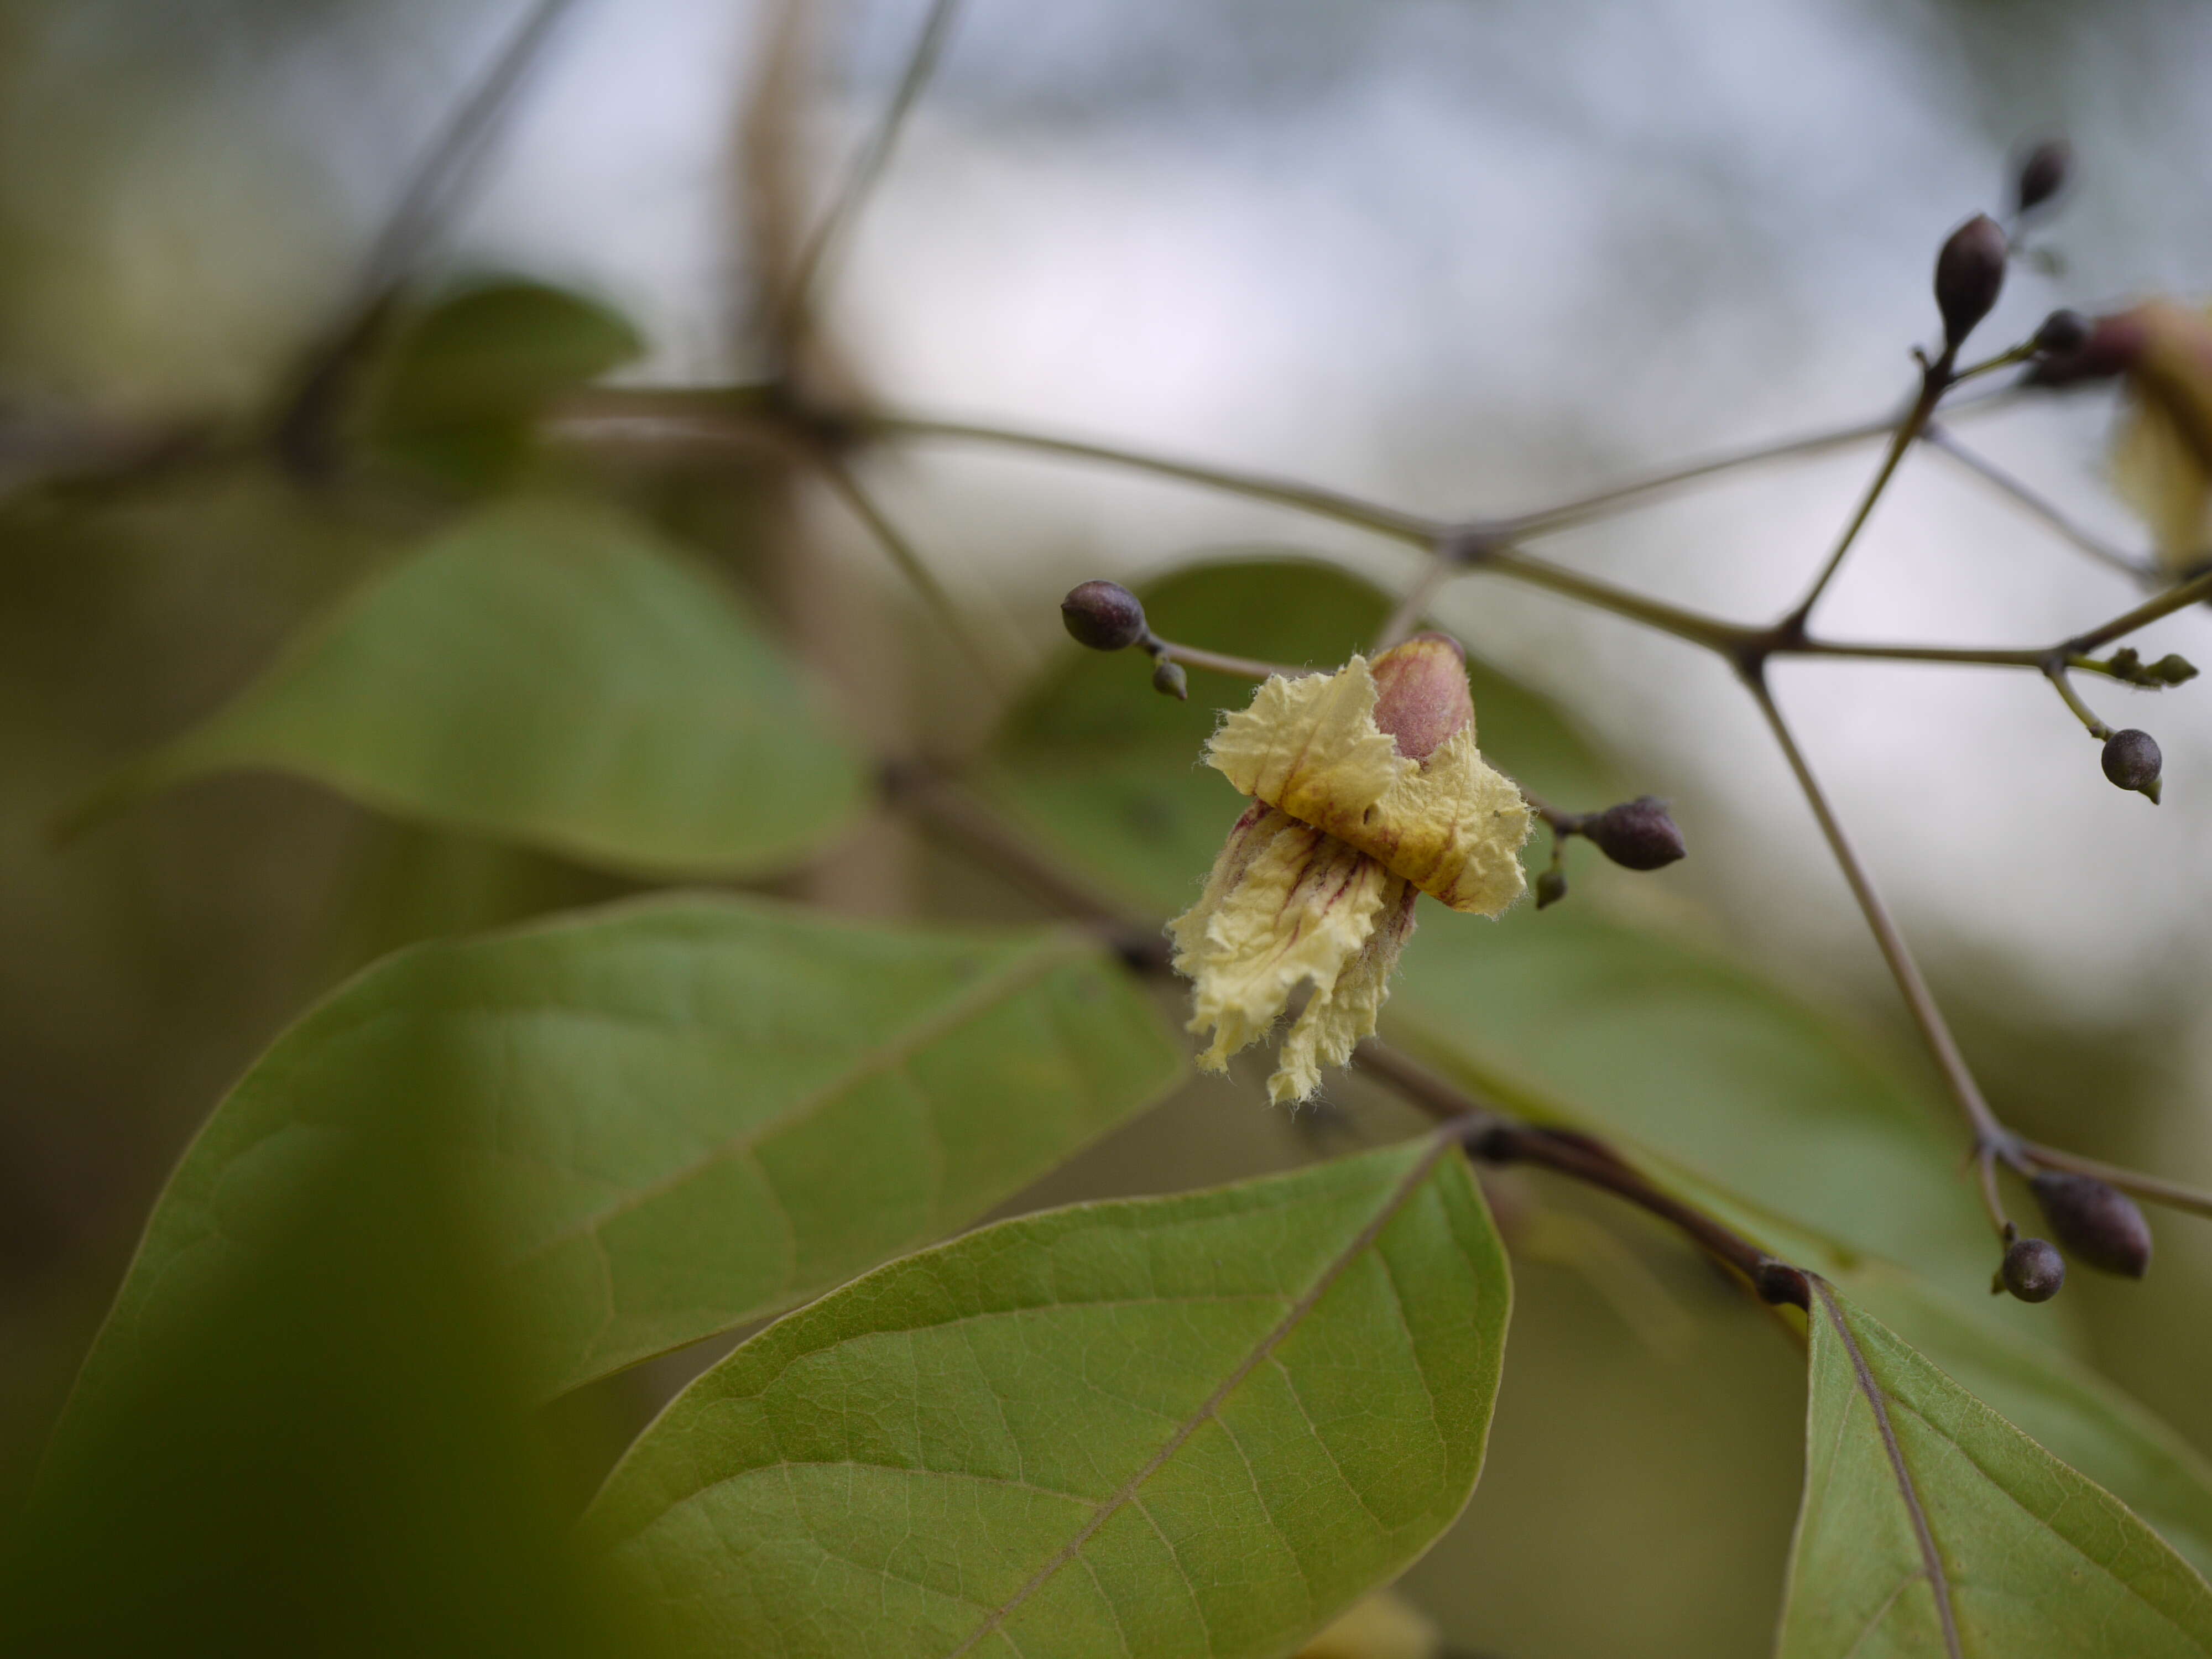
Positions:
(1453, 827)
(1286, 905)
(1339, 1014)
(1310, 745)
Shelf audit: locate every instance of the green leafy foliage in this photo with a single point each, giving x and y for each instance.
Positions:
(1932, 1526)
(1194, 1426)
(550, 673)
(319, 1446)
(680, 1116)
(457, 397)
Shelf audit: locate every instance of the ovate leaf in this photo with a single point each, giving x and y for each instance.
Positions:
(325, 1453)
(1932, 1527)
(458, 398)
(679, 1116)
(1197, 1425)
(549, 672)
(2071, 1410)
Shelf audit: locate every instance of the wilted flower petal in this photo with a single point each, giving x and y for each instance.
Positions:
(2162, 452)
(1453, 828)
(1286, 905)
(1352, 817)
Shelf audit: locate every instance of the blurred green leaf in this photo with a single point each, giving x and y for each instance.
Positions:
(1924, 1509)
(314, 1439)
(1106, 769)
(1571, 1016)
(458, 397)
(679, 1115)
(547, 672)
(1201, 1425)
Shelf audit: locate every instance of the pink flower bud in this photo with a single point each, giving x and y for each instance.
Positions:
(1422, 700)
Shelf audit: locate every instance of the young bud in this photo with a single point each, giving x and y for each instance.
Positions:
(2116, 344)
(2063, 334)
(2098, 1223)
(1969, 273)
(2042, 173)
(1550, 888)
(1421, 695)
(2172, 669)
(2131, 760)
(1637, 833)
(2033, 1271)
(1169, 680)
(1104, 616)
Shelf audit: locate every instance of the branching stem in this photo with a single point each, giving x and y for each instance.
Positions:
(1990, 1136)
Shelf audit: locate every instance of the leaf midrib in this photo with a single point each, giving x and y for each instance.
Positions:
(977, 999)
(1126, 1494)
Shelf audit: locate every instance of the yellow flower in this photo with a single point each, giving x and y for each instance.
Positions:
(1382, 1626)
(2162, 451)
(1367, 791)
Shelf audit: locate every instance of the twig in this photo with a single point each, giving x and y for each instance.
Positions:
(1281, 492)
(1492, 1137)
(910, 563)
(1933, 380)
(1442, 561)
(1242, 668)
(2039, 505)
(324, 377)
(807, 275)
(1958, 1078)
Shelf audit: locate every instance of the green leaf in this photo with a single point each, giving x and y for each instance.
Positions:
(1194, 1425)
(1932, 1526)
(2067, 1407)
(322, 1451)
(681, 1115)
(458, 397)
(1105, 769)
(550, 673)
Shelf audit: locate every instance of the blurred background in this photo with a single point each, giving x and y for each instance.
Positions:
(1469, 257)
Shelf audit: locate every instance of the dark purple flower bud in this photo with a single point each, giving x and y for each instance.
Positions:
(2033, 1271)
(2115, 345)
(1104, 616)
(2098, 1223)
(1637, 833)
(2063, 334)
(2131, 760)
(2042, 173)
(1550, 888)
(1969, 273)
